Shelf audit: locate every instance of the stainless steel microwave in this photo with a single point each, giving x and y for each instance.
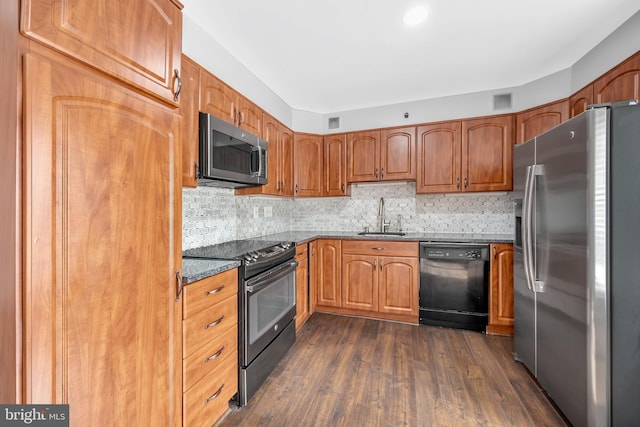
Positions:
(229, 156)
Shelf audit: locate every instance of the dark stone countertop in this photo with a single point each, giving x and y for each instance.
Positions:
(306, 236)
(198, 269)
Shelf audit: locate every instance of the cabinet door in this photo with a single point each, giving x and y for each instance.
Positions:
(487, 150)
(302, 286)
(286, 161)
(329, 276)
(398, 286)
(439, 158)
(535, 121)
(313, 276)
(102, 327)
(501, 290)
(398, 154)
(140, 43)
(308, 168)
(335, 174)
(270, 132)
(578, 101)
(189, 107)
(216, 98)
(249, 115)
(619, 84)
(360, 282)
(363, 156)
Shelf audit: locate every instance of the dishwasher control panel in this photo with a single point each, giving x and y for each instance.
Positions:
(468, 252)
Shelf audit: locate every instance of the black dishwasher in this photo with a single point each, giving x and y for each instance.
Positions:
(454, 283)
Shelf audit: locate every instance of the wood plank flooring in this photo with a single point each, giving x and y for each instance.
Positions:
(346, 371)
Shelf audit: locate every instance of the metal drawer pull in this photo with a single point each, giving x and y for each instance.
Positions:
(214, 356)
(215, 291)
(216, 394)
(217, 322)
(378, 249)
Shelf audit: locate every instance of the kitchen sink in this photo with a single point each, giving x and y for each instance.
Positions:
(379, 233)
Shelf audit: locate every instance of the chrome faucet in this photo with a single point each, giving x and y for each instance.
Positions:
(383, 223)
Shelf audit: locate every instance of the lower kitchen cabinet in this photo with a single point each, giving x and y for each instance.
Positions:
(210, 348)
(327, 275)
(501, 290)
(302, 285)
(376, 279)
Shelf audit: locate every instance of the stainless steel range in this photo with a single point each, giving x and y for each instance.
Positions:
(266, 305)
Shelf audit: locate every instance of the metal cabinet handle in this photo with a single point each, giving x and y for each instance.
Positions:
(215, 355)
(343, 188)
(375, 264)
(214, 291)
(177, 85)
(378, 249)
(214, 323)
(196, 171)
(296, 188)
(495, 253)
(380, 265)
(239, 117)
(458, 183)
(376, 173)
(180, 285)
(216, 394)
(466, 182)
(382, 173)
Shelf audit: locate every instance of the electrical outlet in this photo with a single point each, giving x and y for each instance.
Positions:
(256, 212)
(268, 211)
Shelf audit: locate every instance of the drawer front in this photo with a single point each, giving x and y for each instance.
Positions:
(210, 357)
(206, 292)
(208, 399)
(207, 325)
(301, 251)
(380, 247)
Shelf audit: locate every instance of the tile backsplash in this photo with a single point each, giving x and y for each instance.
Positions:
(214, 215)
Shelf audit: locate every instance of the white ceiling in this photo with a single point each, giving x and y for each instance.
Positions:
(336, 55)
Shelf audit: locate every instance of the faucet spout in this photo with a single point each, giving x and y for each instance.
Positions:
(383, 224)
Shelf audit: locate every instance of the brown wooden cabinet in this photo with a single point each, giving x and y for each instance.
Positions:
(140, 45)
(621, 83)
(210, 351)
(313, 276)
(280, 164)
(220, 100)
(101, 324)
(501, 290)
(380, 279)
(335, 162)
(535, 121)
(308, 166)
(487, 152)
(578, 101)
(387, 155)
(472, 155)
(302, 285)
(189, 107)
(328, 275)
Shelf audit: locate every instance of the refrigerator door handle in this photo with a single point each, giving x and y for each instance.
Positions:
(526, 226)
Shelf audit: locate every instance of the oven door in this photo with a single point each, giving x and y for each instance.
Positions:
(269, 306)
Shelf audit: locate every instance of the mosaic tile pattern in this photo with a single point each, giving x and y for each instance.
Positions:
(214, 215)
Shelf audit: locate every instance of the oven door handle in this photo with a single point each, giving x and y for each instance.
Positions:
(267, 278)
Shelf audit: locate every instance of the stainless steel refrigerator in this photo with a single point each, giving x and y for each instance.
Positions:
(577, 264)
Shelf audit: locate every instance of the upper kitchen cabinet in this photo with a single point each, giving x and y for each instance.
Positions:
(220, 100)
(578, 101)
(280, 163)
(487, 152)
(189, 104)
(387, 155)
(620, 83)
(102, 249)
(335, 165)
(139, 43)
(308, 168)
(439, 152)
(535, 121)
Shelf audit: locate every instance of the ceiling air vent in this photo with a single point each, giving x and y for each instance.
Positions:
(334, 122)
(502, 101)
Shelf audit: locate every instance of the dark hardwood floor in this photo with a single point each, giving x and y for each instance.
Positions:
(346, 371)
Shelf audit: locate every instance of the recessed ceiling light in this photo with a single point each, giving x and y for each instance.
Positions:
(415, 15)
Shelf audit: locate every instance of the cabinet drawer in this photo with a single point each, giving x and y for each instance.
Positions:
(208, 399)
(209, 357)
(207, 325)
(206, 292)
(302, 251)
(380, 247)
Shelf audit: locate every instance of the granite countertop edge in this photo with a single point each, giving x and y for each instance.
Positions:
(197, 269)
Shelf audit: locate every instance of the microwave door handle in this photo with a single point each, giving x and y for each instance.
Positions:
(259, 150)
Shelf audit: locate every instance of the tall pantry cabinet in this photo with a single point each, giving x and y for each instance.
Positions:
(101, 217)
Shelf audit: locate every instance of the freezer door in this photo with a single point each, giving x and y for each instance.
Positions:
(524, 344)
(561, 265)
